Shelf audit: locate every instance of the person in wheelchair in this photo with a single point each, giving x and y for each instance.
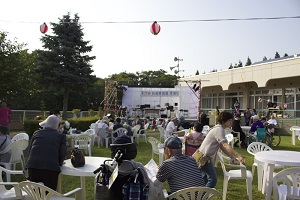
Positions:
(257, 123)
(123, 151)
(271, 124)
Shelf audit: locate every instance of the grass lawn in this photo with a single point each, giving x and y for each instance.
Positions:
(236, 188)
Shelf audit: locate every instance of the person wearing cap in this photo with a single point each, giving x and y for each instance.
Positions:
(171, 127)
(5, 116)
(178, 170)
(257, 123)
(47, 151)
(215, 140)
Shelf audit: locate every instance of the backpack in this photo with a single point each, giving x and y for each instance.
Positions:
(135, 188)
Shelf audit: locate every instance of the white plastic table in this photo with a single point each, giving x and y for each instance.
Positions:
(246, 129)
(270, 158)
(295, 131)
(91, 164)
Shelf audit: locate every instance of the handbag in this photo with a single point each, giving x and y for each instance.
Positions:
(201, 159)
(101, 188)
(77, 158)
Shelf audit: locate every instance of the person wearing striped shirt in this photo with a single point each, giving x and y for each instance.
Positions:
(179, 170)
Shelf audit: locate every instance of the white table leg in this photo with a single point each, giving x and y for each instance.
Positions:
(260, 167)
(293, 137)
(82, 182)
(268, 180)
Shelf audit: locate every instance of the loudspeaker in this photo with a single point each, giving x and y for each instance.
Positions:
(170, 108)
(147, 105)
(163, 116)
(176, 104)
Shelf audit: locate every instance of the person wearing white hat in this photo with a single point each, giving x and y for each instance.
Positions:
(104, 124)
(47, 151)
(171, 127)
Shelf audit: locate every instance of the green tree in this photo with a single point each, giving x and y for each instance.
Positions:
(248, 62)
(240, 64)
(230, 67)
(197, 72)
(265, 58)
(64, 65)
(285, 55)
(17, 79)
(277, 55)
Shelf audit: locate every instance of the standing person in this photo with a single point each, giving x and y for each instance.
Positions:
(247, 116)
(214, 140)
(270, 104)
(5, 116)
(253, 113)
(194, 139)
(47, 151)
(4, 142)
(180, 171)
(236, 127)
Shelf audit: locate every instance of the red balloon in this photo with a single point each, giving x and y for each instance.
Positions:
(155, 28)
(44, 28)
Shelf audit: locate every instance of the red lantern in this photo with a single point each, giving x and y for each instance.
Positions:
(155, 28)
(259, 100)
(44, 28)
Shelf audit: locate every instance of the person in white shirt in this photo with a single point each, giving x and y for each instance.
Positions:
(103, 124)
(171, 127)
(272, 123)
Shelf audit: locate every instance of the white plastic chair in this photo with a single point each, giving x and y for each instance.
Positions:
(154, 144)
(14, 192)
(83, 141)
(139, 134)
(103, 135)
(193, 193)
(295, 133)
(229, 138)
(135, 131)
(16, 155)
(286, 184)
(252, 149)
(20, 136)
(92, 133)
(205, 129)
(240, 173)
(38, 191)
(119, 132)
(161, 132)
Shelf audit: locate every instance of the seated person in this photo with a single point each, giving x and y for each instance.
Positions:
(129, 131)
(179, 170)
(257, 123)
(171, 127)
(4, 142)
(194, 139)
(236, 127)
(183, 124)
(117, 125)
(103, 124)
(126, 166)
(271, 124)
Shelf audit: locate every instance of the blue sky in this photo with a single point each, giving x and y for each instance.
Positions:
(131, 47)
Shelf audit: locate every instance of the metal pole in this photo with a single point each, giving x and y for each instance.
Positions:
(199, 105)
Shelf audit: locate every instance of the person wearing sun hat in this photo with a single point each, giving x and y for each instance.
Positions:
(179, 170)
(47, 151)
